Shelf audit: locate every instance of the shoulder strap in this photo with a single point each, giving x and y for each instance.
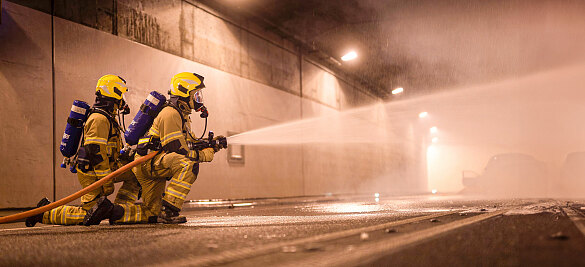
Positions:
(171, 104)
(111, 119)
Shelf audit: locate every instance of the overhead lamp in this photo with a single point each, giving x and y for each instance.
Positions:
(349, 56)
(397, 91)
(423, 114)
(434, 129)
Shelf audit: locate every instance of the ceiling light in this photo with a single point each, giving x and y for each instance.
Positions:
(349, 56)
(434, 129)
(423, 114)
(397, 90)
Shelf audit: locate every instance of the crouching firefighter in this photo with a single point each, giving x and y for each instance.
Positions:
(169, 134)
(98, 156)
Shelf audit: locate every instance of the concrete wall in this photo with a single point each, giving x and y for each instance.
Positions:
(26, 115)
(253, 80)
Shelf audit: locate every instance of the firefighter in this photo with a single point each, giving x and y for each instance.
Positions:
(169, 134)
(98, 156)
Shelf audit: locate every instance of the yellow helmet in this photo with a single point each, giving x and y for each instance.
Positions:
(111, 86)
(185, 82)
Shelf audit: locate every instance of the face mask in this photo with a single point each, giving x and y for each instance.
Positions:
(197, 100)
(124, 108)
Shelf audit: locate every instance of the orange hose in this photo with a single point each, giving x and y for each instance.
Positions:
(79, 193)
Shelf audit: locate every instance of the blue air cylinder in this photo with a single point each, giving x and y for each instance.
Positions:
(145, 117)
(74, 128)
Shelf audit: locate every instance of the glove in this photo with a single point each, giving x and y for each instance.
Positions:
(218, 144)
(206, 154)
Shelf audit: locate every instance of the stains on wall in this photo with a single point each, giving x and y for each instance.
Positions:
(190, 31)
(140, 27)
(153, 23)
(100, 14)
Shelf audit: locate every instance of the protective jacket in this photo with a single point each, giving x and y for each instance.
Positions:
(97, 157)
(172, 129)
(176, 163)
(100, 147)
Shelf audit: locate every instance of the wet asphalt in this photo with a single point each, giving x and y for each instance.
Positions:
(532, 232)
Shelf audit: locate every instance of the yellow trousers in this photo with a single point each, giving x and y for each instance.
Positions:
(73, 215)
(180, 170)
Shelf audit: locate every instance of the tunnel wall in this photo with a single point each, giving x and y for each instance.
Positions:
(254, 79)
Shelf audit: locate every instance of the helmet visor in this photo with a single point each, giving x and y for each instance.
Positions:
(198, 97)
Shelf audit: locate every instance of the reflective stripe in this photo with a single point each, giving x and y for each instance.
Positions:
(152, 100)
(54, 215)
(143, 141)
(191, 82)
(96, 140)
(76, 215)
(138, 214)
(154, 131)
(171, 136)
(182, 175)
(192, 154)
(78, 110)
(63, 212)
(105, 88)
(176, 193)
(102, 173)
(127, 211)
(181, 184)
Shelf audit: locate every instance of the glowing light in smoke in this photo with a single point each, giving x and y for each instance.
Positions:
(397, 91)
(434, 129)
(435, 139)
(434, 191)
(377, 195)
(432, 151)
(349, 56)
(423, 114)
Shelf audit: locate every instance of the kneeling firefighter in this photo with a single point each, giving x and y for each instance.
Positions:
(98, 156)
(170, 134)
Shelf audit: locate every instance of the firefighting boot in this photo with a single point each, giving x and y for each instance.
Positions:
(100, 211)
(116, 214)
(32, 220)
(170, 214)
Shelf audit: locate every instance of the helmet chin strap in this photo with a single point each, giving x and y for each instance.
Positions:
(106, 104)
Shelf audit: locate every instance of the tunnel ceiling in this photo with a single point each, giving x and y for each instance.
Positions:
(425, 45)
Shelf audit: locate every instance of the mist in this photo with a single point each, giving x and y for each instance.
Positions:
(539, 115)
(500, 78)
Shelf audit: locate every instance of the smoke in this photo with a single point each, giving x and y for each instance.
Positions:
(496, 78)
(426, 45)
(539, 116)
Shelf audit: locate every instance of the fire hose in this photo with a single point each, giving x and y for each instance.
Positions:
(77, 194)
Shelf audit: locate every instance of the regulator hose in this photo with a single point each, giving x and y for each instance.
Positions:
(79, 193)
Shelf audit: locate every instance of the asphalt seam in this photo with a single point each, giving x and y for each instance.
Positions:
(370, 252)
(245, 253)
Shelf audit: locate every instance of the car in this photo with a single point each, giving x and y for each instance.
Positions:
(508, 175)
